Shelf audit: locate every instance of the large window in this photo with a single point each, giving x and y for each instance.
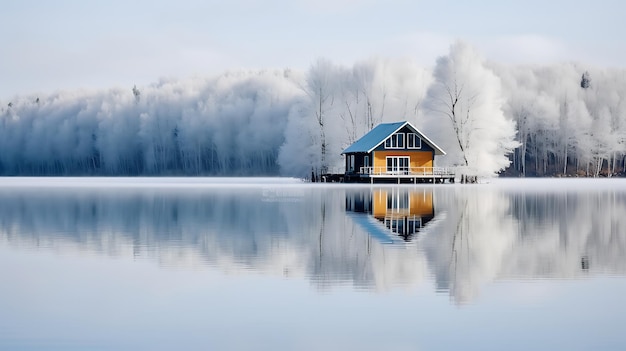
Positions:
(413, 141)
(397, 164)
(396, 141)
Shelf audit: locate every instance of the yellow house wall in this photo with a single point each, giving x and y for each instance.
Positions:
(421, 203)
(416, 158)
(379, 203)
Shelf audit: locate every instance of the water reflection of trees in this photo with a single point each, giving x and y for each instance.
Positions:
(477, 234)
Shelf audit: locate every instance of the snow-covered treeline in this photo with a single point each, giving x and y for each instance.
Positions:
(231, 124)
(540, 119)
(242, 123)
(570, 118)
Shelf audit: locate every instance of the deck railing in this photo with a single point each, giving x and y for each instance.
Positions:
(408, 171)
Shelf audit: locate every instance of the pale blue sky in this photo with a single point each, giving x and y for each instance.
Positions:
(75, 44)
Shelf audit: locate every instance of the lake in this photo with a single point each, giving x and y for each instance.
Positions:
(276, 264)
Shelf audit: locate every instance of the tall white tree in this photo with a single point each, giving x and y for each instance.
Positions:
(321, 90)
(465, 114)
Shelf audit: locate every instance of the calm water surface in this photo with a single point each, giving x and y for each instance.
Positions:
(271, 264)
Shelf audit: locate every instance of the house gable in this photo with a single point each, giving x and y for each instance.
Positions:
(399, 141)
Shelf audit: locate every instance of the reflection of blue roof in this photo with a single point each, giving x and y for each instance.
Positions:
(380, 133)
(372, 139)
(375, 228)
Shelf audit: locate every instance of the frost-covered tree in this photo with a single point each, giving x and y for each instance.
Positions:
(533, 111)
(465, 108)
(376, 91)
(602, 103)
(306, 147)
(321, 92)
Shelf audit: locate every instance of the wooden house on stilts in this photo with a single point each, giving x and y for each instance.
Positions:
(394, 152)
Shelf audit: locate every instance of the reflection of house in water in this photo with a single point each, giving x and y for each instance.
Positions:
(392, 212)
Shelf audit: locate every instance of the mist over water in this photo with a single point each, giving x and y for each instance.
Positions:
(316, 244)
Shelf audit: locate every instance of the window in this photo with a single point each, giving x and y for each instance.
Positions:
(395, 141)
(351, 163)
(366, 161)
(413, 141)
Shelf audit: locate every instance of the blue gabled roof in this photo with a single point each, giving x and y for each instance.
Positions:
(372, 139)
(380, 133)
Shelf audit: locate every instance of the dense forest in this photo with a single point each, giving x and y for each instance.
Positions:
(491, 118)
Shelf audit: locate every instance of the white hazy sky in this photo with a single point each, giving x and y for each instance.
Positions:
(76, 44)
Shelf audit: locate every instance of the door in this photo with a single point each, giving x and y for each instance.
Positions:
(398, 164)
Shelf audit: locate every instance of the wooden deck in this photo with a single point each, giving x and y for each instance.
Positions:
(412, 175)
(402, 175)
